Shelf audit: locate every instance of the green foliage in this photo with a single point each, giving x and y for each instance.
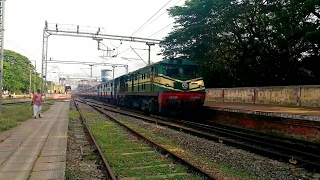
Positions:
(16, 73)
(249, 42)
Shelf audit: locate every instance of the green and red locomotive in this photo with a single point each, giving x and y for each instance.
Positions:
(172, 85)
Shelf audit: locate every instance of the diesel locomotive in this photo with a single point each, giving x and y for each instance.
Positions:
(172, 85)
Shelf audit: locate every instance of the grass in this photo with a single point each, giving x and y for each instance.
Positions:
(237, 173)
(13, 115)
(130, 157)
(73, 115)
(72, 174)
(76, 173)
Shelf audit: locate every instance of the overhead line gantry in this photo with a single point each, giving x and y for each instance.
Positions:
(77, 31)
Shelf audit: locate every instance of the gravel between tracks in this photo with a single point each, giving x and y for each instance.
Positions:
(261, 167)
(82, 160)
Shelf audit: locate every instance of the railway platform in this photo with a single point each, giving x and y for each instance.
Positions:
(36, 149)
(289, 112)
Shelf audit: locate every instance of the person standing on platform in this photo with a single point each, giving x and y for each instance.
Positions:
(37, 104)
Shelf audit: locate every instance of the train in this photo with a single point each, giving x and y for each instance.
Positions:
(168, 86)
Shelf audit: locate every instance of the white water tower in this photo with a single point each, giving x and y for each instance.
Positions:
(105, 74)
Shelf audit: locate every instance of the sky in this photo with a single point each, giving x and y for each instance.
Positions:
(25, 21)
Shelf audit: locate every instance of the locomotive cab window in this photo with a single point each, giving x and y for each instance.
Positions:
(181, 72)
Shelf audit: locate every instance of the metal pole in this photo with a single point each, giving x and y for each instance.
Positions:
(34, 76)
(44, 60)
(127, 69)
(114, 90)
(45, 78)
(149, 56)
(90, 70)
(30, 82)
(42, 63)
(113, 72)
(149, 44)
(2, 43)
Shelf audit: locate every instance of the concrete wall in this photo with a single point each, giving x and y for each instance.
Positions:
(214, 95)
(276, 95)
(308, 96)
(239, 95)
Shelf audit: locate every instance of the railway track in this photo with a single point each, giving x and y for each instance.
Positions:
(301, 153)
(191, 168)
(105, 163)
(28, 101)
(14, 103)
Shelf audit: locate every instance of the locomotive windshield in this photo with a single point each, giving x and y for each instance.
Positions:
(181, 72)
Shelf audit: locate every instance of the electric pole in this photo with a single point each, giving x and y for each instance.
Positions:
(2, 2)
(149, 44)
(91, 69)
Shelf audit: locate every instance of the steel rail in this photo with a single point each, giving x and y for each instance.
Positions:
(311, 163)
(175, 156)
(29, 101)
(269, 136)
(105, 162)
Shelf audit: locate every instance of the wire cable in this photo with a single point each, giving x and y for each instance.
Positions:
(149, 24)
(160, 15)
(151, 17)
(161, 30)
(21, 49)
(148, 37)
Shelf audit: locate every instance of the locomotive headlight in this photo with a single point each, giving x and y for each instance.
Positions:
(167, 85)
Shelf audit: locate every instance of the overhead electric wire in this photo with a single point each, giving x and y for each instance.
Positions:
(149, 36)
(150, 50)
(150, 23)
(151, 17)
(21, 48)
(161, 30)
(160, 16)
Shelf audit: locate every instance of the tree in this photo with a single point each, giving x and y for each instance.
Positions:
(16, 72)
(249, 42)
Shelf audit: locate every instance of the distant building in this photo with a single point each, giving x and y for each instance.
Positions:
(67, 88)
(58, 89)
